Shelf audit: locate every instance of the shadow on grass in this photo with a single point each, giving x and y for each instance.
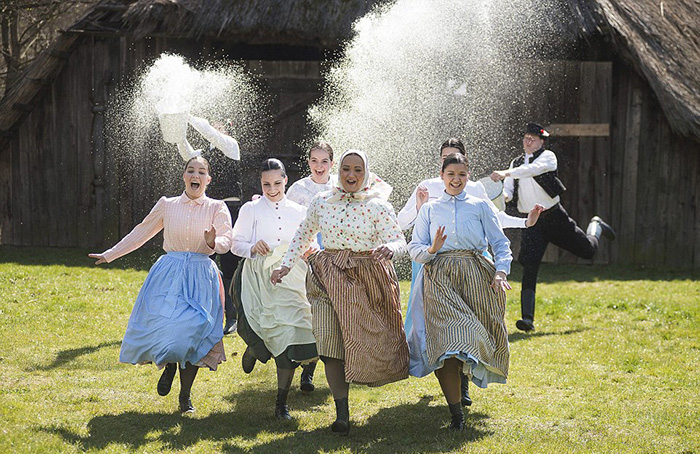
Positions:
(139, 260)
(251, 427)
(518, 336)
(66, 356)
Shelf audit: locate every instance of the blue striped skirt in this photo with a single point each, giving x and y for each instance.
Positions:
(453, 312)
(178, 316)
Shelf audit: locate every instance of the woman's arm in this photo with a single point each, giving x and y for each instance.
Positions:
(421, 239)
(498, 241)
(147, 229)
(243, 231)
(224, 231)
(305, 234)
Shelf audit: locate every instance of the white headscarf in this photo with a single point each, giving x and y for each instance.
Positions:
(372, 186)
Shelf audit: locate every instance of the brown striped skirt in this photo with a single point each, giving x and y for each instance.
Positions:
(356, 307)
(464, 316)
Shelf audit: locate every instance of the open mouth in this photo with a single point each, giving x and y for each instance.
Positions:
(194, 185)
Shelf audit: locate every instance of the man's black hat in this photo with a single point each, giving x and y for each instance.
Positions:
(538, 130)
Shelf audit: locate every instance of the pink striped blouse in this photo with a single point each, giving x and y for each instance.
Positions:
(183, 222)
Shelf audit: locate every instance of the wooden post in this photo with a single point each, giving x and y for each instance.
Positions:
(630, 168)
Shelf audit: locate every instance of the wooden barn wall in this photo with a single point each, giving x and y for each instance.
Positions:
(65, 186)
(68, 186)
(656, 181)
(568, 92)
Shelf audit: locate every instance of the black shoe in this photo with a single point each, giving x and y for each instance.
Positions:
(606, 230)
(230, 327)
(341, 425)
(282, 412)
(457, 422)
(307, 377)
(165, 382)
(525, 325)
(281, 409)
(466, 400)
(186, 404)
(248, 361)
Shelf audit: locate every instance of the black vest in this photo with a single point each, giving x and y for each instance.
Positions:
(549, 181)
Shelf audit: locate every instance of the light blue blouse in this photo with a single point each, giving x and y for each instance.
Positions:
(470, 224)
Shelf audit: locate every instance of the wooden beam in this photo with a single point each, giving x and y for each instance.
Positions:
(580, 130)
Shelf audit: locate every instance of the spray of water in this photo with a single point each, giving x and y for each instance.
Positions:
(420, 71)
(223, 93)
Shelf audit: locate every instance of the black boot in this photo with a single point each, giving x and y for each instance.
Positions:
(341, 425)
(248, 361)
(597, 228)
(229, 309)
(466, 400)
(281, 410)
(457, 417)
(186, 403)
(166, 380)
(307, 377)
(527, 309)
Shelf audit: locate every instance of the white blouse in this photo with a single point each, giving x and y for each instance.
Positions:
(358, 225)
(273, 222)
(436, 188)
(304, 190)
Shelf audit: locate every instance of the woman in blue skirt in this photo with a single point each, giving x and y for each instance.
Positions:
(463, 291)
(178, 314)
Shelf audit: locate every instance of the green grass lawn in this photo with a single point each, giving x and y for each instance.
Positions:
(614, 366)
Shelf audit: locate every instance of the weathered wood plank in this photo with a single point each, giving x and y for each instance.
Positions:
(579, 130)
(630, 171)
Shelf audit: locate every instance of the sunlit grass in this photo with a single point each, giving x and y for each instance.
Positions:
(612, 367)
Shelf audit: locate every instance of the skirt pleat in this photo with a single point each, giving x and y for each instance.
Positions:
(178, 314)
(356, 308)
(464, 316)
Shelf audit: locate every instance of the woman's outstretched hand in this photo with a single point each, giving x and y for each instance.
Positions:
(210, 237)
(278, 274)
(500, 282)
(100, 258)
(438, 241)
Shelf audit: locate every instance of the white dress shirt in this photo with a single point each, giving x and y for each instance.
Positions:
(273, 222)
(304, 190)
(436, 188)
(529, 192)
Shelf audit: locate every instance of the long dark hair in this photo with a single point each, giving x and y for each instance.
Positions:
(454, 158)
(454, 142)
(202, 160)
(273, 164)
(325, 146)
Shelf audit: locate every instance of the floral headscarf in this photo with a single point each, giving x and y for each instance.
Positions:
(372, 186)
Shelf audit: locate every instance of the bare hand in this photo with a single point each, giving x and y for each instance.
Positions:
(278, 274)
(438, 241)
(309, 252)
(260, 248)
(422, 196)
(534, 215)
(500, 282)
(498, 175)
(382, 252)
(210, 237)
(100, 258)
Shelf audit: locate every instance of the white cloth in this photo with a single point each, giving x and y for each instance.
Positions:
(273, 222)
(279, 314)
(227, 144)
(529, 192)
(436, 188)
(304, 190)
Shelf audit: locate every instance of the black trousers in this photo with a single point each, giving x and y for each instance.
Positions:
(556, 227)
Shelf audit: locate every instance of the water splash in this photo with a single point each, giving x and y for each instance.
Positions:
(420, 71)
(223, 93)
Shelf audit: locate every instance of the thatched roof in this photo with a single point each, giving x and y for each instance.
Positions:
(660, 38)
(321, 23)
